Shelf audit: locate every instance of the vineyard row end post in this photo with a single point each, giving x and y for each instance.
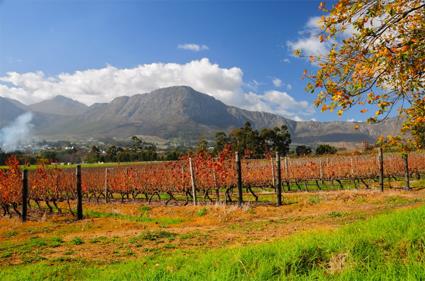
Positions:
(24, 195)
(272, 166)
(192, 178)
(381, 168)
(239, 178)
(217, 189)
(106, 185)
(287, 172)
(321, 169)
(406, 170)
(79, 193)
(279, 181)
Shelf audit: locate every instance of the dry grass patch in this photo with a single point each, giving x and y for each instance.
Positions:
(115, 231)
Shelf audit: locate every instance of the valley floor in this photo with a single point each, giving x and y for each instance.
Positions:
(214, 242)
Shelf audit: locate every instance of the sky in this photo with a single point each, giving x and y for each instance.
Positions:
(240, 52)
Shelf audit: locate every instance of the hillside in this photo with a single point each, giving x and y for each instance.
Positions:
(174, 113)
(59, 105)
(9, 110)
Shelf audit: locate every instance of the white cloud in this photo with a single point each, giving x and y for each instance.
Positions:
(313, 23)
(193, 47)
(278, 102)
(253, 85)
(309, 43)
(310, 46)
(283, 102)
(286, 60)
(353, 120)
(104, 84)
(277, 82)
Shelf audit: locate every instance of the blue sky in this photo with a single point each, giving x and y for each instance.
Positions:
(240, 52)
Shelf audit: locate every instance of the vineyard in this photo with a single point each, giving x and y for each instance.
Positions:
(200, 178)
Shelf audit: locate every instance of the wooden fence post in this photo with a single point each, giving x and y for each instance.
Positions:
(106, 185)
(192, 178)
(239, 177)
(24, 195)
(217, 189)
(405, 157)
(287, 172)
(79, 194)
(381, 168)
(321, 169)
(272, 167)
(279, 180)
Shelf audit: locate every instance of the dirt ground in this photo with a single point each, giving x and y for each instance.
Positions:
(113, 232)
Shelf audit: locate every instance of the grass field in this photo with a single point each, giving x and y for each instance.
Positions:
(336, 235)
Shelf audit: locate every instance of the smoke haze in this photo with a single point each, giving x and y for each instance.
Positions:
(17, 133)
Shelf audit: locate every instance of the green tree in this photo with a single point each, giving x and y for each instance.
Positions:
(174, 154)
(111, 153)
(94, 155)
(3, 157)
(221, 139)
(325, 149)
(123, 156)
(302, 150)
(202, 145)
(137, 143)
(277, 139)
(247, 140)
(50, 156)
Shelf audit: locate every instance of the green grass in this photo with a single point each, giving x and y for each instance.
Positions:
(55, 242)
(143, 218)
(336, 214)
(387, 247)
(153, 236)
(29, 250)
(98, 240)
(77, 241)
(202, 212)
(10, 234)
(315, 199)
(418, 183)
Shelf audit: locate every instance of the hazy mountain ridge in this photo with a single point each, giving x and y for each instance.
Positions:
(59, 105)
(175, 112)
(9, 111)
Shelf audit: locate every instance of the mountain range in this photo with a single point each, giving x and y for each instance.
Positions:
(177, 112)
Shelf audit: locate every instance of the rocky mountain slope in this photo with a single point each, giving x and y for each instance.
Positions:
(174, 113)
(59, 105)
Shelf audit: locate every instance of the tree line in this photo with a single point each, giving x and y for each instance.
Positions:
(254, 143)
(247, 141)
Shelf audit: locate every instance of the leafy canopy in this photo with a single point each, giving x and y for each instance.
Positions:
(251, 143)
(326, 149)
(302, 150)
(376, 56)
